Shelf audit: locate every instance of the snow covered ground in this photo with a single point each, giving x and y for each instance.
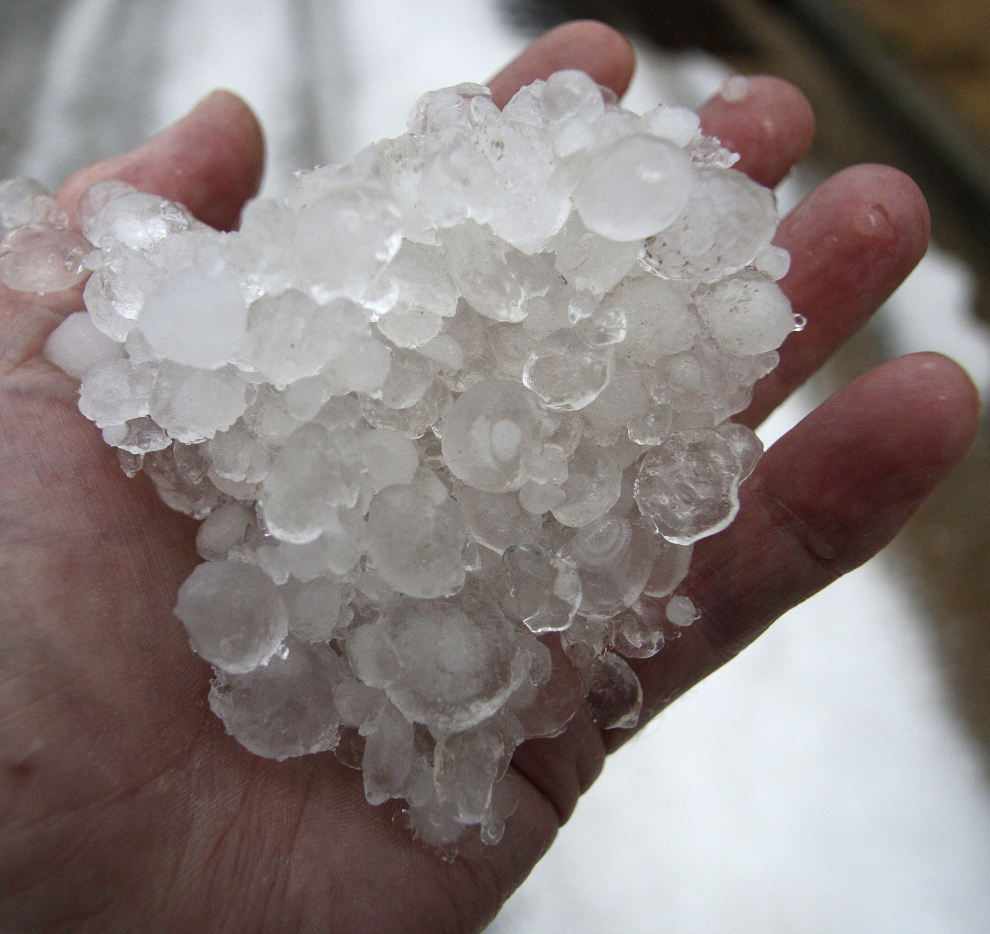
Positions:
(820, 782)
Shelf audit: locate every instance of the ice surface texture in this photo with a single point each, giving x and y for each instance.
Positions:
(454, 415)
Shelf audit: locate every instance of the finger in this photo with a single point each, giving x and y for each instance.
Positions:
(827, 497)
(565, 767)
(588, 46)
(211, 161)
(852, 242)
(771, 127)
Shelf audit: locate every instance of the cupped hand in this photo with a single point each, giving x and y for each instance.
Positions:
(124, 806)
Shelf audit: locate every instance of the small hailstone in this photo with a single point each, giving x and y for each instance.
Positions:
(624, 400)
(223, 529)
(634, 188)
(566, 373)
(652, 427)
(615, 696)
(181, 475)
(279, 330)
(409, 377)
(342, 544)
(235, 616)
(538, 498)
(549, 466)
(316, 471)
(679, 125)
(613, 562)
(590, 261)
(284, 708)
(639, 631)
(196, 320)
(115, 392)
(689, 485)
(42, 258)
(315, 559)
(360, 707)
(389, 458)
(498, 520)
(489, 433)
(447, 664)
(388, 756)
(77, 346)
(471, 389)
(727, 221)
(416, 544)
(192, 404)
(569, 95)
(466, 767)
(659, 319)
(681, 611)
(238, 455)
(773, 261)
(95, 198)
(593, 484)
(115, 293)
(345, 236)
(137, 436)
(546, 589)
(18, 200)
(671, 564)
(135, 220)
(747, 314)
(444, 351)
(602, 328)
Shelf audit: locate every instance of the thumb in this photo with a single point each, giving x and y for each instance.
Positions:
(211, 161)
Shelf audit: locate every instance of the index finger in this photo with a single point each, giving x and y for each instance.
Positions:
(211, 161)
(588, 46)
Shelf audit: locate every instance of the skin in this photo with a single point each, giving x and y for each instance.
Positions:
(123, 804)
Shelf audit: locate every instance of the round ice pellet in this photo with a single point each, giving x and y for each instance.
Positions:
(634, 188)
(234, 615)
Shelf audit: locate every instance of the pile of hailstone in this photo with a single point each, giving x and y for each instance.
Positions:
(453, 416)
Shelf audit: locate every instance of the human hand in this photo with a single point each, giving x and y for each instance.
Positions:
(123, 804)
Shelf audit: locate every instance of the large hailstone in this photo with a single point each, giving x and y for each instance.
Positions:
(634, 188)
(490, 432)
(234, 614)
(286, 707)
(449, 665)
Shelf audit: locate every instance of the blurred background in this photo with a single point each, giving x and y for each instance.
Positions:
(836, 777)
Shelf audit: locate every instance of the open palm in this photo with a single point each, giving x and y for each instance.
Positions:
(123, 804)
